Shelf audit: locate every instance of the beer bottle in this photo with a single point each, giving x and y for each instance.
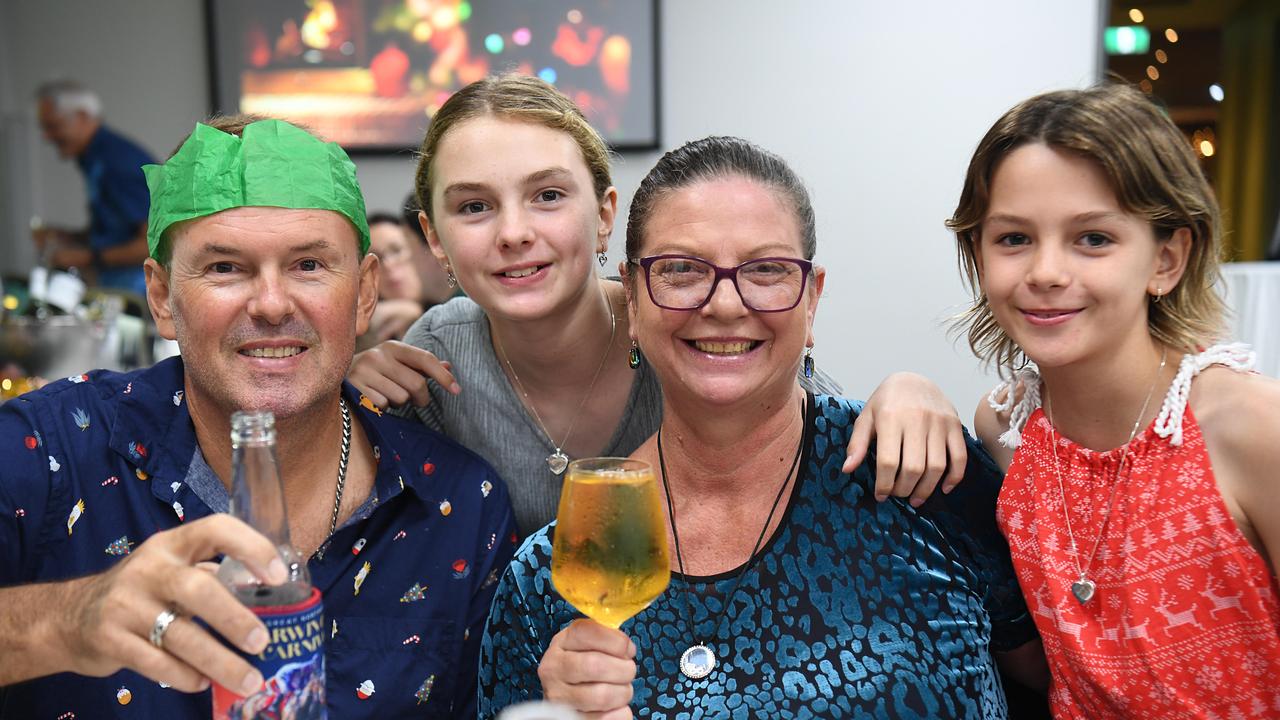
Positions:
(292, 665)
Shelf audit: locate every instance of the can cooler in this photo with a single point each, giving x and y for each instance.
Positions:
(292, 666)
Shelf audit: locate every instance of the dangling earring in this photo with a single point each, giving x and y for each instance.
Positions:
(1159, 294)
(602, 258)
(450, 279)
(808, 362)
(633, 357)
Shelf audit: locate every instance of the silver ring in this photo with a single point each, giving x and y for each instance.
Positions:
(161, 626)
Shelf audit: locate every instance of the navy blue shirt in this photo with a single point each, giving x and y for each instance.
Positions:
(852, 609)
(118, 201)
(94, 464)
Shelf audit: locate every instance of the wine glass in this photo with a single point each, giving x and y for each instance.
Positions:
(610, 556)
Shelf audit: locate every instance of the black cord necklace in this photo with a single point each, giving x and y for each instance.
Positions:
(698, 660)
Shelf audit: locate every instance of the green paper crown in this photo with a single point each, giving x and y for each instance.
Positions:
(273, 164)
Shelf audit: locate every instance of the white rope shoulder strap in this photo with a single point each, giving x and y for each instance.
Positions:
(1019, 408)
(1237, 356)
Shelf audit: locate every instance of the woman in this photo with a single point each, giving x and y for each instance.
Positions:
(400, 289)
(850, 607)
(517, 205)
(1141, 497)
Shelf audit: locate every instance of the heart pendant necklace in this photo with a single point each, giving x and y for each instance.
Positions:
(1085, 588)
(557, 461)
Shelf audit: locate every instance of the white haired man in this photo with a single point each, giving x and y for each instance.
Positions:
(114, 245)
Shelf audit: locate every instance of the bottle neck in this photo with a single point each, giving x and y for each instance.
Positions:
(257, 494)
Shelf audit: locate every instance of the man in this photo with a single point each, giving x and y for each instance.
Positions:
(115, 243)
(259, 270)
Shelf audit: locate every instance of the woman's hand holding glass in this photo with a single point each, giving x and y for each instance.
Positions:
(609, 560)
(590, 667)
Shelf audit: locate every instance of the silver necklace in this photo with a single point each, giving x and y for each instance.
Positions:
(1085, 588)
(343, 457)
(557, 460)
(699, 660)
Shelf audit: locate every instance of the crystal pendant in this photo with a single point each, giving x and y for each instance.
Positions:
(1083, 589)
(697, 662)
(557, 461)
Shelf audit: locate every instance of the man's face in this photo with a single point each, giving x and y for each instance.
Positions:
(68, 132)
(265, 304)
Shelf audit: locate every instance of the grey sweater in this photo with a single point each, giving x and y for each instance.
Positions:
(489, 418)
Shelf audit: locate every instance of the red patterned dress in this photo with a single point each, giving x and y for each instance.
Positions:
(1184, 622)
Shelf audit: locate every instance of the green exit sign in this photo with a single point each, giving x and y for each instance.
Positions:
(1126, 40)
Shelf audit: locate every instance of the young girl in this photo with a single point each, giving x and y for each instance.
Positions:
(518, 204)
(1140, 500)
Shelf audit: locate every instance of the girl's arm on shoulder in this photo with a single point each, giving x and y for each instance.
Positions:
(988, 424)
(1239, 416)
(919, 439)
(394, 373)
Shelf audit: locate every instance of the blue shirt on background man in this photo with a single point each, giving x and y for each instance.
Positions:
(118, 201)
(95, 464)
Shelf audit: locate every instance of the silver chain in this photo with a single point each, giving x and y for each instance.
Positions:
(613, 329)
(342, 464)
(1062, 492)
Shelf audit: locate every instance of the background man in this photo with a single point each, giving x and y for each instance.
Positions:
(114, 479)
(115, 243)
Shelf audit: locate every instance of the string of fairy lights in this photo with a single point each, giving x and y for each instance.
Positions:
(1136, 39)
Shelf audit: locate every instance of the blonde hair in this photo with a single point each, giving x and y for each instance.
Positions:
(1154, 174)
(516, 97)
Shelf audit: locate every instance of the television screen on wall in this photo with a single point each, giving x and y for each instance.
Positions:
(369, 74)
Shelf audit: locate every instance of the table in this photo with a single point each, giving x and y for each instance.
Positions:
(1252, 293)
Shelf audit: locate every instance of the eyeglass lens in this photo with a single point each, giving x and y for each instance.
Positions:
(687, 283)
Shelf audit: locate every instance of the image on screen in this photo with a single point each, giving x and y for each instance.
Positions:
(369, 74)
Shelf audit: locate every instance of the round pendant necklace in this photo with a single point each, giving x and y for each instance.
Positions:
(557, 461)
(1085, 588)
(699, 660)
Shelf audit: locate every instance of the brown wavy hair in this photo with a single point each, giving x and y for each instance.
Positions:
(1152, 170)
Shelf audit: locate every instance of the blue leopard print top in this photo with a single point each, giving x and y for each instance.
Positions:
(853, 608)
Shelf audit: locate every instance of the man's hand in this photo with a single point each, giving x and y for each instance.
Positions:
(394, 373)
(42, 236)
(63, 248)
(589, 667)
(99, 624)
(918, 435)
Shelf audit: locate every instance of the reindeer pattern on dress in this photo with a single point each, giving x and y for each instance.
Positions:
(1184, 621)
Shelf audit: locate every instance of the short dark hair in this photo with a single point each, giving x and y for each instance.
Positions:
(411, 210)
(382, 217)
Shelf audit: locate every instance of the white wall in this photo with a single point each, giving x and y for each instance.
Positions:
(877, 105)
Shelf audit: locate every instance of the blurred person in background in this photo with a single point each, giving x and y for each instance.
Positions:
(114, 245)
(438, 286)
(411, 280)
